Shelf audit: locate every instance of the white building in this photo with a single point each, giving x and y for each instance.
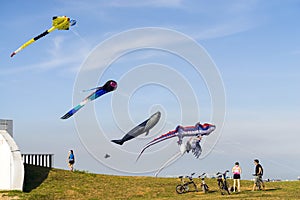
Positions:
(11, 163)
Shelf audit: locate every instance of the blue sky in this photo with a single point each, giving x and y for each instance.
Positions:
(254, 45)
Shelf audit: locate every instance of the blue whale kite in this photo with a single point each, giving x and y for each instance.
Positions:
(109, 86)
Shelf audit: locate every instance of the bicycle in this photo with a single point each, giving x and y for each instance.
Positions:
(184, 186)
(222, 182)
(204, 186)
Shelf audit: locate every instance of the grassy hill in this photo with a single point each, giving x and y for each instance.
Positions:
(42, 183)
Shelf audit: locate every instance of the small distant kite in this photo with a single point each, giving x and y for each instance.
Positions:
(195, 132)
(109, 86)
(107, 156)
(143, 127)
(58, 22)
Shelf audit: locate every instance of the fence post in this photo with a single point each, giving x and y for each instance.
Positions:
(43, 160)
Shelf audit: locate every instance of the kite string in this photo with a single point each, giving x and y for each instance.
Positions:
(78, 35)
(168, 162)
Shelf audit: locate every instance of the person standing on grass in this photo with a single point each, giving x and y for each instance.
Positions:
(258, 174)
(236, 170)
(71, 160)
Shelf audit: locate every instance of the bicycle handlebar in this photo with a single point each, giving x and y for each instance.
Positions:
(190, 177)
(224, 174)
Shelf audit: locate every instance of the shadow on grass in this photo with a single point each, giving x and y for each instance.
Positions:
(271, 189)
(213, 191)
(34, 176)
(267, 189)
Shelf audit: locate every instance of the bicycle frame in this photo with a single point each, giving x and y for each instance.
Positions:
(222, 182)
(204, 186)
(184, 186)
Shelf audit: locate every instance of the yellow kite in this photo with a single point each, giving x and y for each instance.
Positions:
(58, 22)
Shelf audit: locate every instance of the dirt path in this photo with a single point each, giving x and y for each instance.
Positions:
(4, 196)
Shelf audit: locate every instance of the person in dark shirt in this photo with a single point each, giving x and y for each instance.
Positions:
(259, 171)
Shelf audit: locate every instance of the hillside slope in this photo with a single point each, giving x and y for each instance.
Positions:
(42, 183)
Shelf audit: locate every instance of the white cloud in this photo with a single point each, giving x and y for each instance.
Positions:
(116, 45)
(222, 30)
(58, 58)
(57, 41)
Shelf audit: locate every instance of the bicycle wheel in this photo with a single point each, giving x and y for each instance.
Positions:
(233, 189)
(186, 187)
(221, 187)
(204, 188)
(195, 186)
(180, 189)
(226, 187)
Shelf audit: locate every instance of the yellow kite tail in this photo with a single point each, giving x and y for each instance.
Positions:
(33, 40)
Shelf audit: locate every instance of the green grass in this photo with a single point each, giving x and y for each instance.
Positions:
(42, 183)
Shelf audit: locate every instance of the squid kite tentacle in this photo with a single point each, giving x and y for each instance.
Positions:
(163, 137)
